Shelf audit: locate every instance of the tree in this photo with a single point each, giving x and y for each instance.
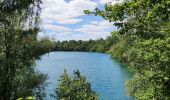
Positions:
(75, 88)
(143, 44)
(19, 20)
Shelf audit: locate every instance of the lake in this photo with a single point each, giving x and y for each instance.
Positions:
(107, 76)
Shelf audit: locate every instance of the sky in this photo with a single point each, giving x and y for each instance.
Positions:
(65, 20)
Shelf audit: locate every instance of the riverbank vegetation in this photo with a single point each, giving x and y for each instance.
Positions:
(143, 43)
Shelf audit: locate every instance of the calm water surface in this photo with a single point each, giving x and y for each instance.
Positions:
(106, 75)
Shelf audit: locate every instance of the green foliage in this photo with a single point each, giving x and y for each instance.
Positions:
(27, 98)
(142, 42)
(29, 82)
(43, 45)
(151, 59)
(75, 88)
(99, 45)
(19, 21)
(120, 48)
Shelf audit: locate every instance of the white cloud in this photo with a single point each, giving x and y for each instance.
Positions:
(87, 36)
(56, 36)
(95, 27)
(83, 36)
(56, 28)
(110, 1)
(59, 18)
(94, 22)
(64, 12)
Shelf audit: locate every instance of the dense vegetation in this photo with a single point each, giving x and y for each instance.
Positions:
(75, 88)
(99, 45)
(43, 45)
(143, 43)
(19, 48)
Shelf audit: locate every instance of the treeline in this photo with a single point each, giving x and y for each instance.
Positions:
(143, 43)
(45, 45)
(100, 45)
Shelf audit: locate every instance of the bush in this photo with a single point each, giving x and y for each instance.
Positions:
(75, 88)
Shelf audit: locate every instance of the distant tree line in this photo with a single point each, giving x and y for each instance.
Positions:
(100, 45)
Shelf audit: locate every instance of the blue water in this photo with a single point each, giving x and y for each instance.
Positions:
(106, 75)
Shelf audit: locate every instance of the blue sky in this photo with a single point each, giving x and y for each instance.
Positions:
(65, 20)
